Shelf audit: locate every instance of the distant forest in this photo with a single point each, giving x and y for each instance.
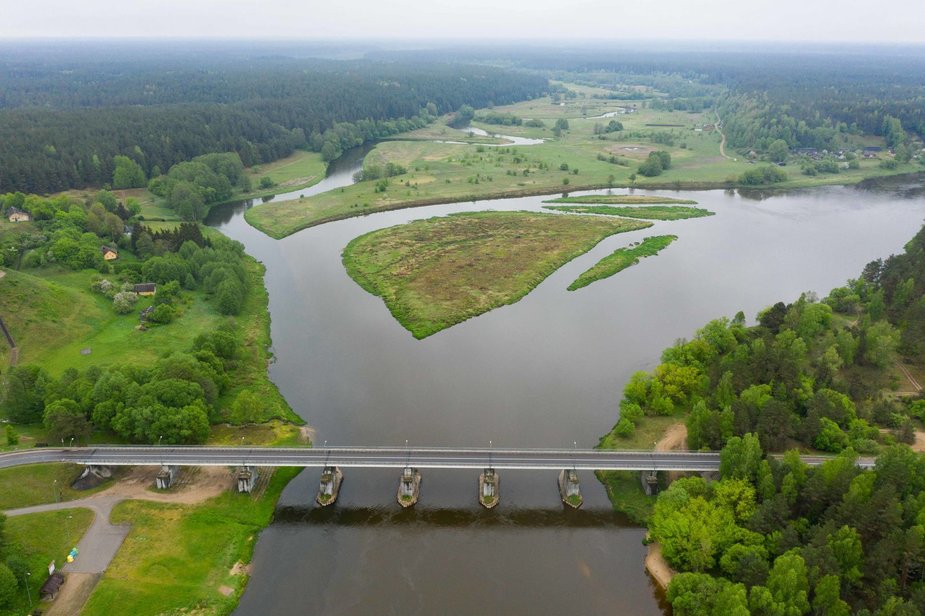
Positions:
(63, 120)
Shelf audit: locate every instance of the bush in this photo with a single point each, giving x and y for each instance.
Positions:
(124, 301)
(763, 176)
(624, 428)
(7, 586)
(164, 314)
(266, 182)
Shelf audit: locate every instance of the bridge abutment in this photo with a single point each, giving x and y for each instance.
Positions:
(165, 477)
(649, 482)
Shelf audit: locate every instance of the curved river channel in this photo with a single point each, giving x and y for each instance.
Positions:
(544, 372)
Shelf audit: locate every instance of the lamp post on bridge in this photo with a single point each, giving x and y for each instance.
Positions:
(489, 453)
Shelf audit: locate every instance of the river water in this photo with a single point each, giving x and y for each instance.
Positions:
(544, 372)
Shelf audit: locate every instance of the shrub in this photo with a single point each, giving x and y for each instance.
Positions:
(124, 301)
(164, 313)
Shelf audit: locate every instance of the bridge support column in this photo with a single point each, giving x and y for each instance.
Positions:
(649, 482)
(165, 477)
(246, 477)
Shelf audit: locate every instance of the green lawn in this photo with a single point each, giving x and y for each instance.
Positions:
(41, 538)
(622, 258)
(177, 557)
(34, 484)
(438, 272)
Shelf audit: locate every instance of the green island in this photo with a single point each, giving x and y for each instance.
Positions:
(649, 212)
(773, 535)
(622, 258)
(435, 273)
(622, 200)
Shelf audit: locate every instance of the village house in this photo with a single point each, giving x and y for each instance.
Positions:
(17, 215)
(145, 288)
(109, 254)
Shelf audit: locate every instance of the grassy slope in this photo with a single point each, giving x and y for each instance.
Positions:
(34, 484)
(621, 259)
(445, 173)
(44, 537)
(622, 199)
(655, 212)
(176, 557)
(438, 272)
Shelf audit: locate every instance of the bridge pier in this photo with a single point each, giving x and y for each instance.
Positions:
(246, 478)
(649, 482)
(165, 477)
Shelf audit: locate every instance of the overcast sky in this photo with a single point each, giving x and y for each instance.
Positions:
(899, 21)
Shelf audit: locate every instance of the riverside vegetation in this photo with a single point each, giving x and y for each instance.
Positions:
(435, 273)
(774, 536)
(654, 212)
(621, 259)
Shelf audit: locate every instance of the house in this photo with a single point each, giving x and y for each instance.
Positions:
(872, 151)
(52, 586)
(109, 254)
(17, 215)
(145, 288)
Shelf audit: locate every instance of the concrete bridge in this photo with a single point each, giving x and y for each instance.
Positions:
(248, 458)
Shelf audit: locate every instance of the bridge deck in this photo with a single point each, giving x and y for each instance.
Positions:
(382, 457)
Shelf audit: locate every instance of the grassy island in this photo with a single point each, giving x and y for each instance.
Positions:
(651, 212)
(621, 259)
(435, 273)
(622, 200)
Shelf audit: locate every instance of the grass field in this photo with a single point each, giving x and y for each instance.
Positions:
(577, 159)
(42, 538)
(653, 212)
(435, 273)
(622, 258)
(179, 558)
(622, 200)
(38, 484)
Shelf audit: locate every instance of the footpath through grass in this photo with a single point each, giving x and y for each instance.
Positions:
(621, 259)
(179, 558)
(39, 538)
(651, 212)
(435, 273)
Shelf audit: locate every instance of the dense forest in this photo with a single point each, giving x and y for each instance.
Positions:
(63, 121)
(774, 536)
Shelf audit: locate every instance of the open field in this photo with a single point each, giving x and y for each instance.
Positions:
(435, 273)
(576, 159)
(42, 538)
(623, 200)
(653, 212)
(621, 259)
(185, 558)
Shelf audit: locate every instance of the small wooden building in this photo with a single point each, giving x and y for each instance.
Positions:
(52, 586)
(17, 215)
(109, 254)
(145, 288)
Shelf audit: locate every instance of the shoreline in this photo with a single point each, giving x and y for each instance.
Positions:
(677, 185)
(658, 567)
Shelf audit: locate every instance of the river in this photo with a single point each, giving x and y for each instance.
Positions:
(544, 372)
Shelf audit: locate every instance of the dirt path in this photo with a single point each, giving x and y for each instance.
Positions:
(675, 437)
(102, 540)
(912, 381)
(722, 143)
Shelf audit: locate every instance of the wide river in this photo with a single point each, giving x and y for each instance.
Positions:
(544, 372)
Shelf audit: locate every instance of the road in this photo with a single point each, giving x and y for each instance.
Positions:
(383, 457)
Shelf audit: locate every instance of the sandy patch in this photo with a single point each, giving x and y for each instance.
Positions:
(657, 567)
(631, 149)
(75, 592)
(192, 485)
(675, 437)
(240, 569)
(225, 590)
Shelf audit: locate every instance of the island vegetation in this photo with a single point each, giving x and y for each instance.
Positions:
(622, 258)
(774, 536)
(610, 199)
(649, 212)
(435, 273)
